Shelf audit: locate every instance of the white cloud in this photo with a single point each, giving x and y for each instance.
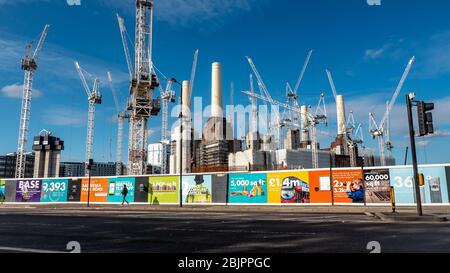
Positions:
(374, 53)
(16, 90)
(423, 143)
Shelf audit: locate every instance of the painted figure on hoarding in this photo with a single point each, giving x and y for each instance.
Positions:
(355, 191)
(28, 191)
(294, 190)
(248, 188)
(201, 192)
(54, 190)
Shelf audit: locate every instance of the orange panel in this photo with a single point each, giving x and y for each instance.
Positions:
(99, 190)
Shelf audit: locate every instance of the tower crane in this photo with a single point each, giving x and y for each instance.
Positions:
(143, 81)
(381, 130)
(167, 96)
(29, 65)
(94, 97)
(266, 97)
(121, 116)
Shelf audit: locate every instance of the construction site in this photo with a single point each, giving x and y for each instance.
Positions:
(286, 139)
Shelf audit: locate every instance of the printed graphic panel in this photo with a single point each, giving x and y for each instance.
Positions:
(248, 188)
(219, 188)
(54, 190)
(116, 189)
(98, 192)
(288, 187)
(377, 186)
(435, 190)
(197, 189)
(141, 190)
(28, 190)
(74, 190)
(320, 186)
(347, 188)
(163, 190)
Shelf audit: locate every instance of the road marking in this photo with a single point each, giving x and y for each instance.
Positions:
(29, 250)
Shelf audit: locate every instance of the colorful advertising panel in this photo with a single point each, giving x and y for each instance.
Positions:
(247, 188)
(2, 191)
(116, 189)
(54, 190)
(288, 188)
(348, 186)
(163, 190)
(74, 190)
(141, 190)
(435, 190)
(98, 192)
(197, 189)
(28, 190)
(320, 186)
(377, 186)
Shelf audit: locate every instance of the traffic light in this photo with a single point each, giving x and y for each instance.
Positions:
(425, 118)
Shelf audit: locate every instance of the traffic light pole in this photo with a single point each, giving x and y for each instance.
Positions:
(412, 138)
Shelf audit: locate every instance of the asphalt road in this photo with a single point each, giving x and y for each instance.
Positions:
(162, 232)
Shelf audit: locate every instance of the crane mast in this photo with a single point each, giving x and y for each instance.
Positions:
(94, 97)
(143, 82)
(29, 66)
(121, 116)
(381, 130)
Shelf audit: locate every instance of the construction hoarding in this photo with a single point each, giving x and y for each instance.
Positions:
(197, 189)
(98, 191)
(54, 190)
(247, 188)
(163, 190)
(288, 187)
(28, 190)
(116, 189)
(377, 184)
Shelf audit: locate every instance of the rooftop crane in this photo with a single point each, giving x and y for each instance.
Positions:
(121, 116)
(94, 97)
(381, 130)
(266, 97)
(29, 65)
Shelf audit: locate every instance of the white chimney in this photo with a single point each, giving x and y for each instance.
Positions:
(304, 122)
(216, 89)
(187, 94)
(341, 121)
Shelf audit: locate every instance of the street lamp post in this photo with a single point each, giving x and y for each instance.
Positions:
(90, 163)
(180, 161)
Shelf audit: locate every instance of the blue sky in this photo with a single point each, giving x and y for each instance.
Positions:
(366, 48)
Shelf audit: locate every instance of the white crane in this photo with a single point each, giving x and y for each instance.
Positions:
(94, 97)
(167, 95)
(121, 116)
(320, 117)
(381, 130)
(29, 65)
(275, 121)
(143, 82)
(292, 95)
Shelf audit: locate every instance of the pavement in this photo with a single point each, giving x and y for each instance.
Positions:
(212, 229)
